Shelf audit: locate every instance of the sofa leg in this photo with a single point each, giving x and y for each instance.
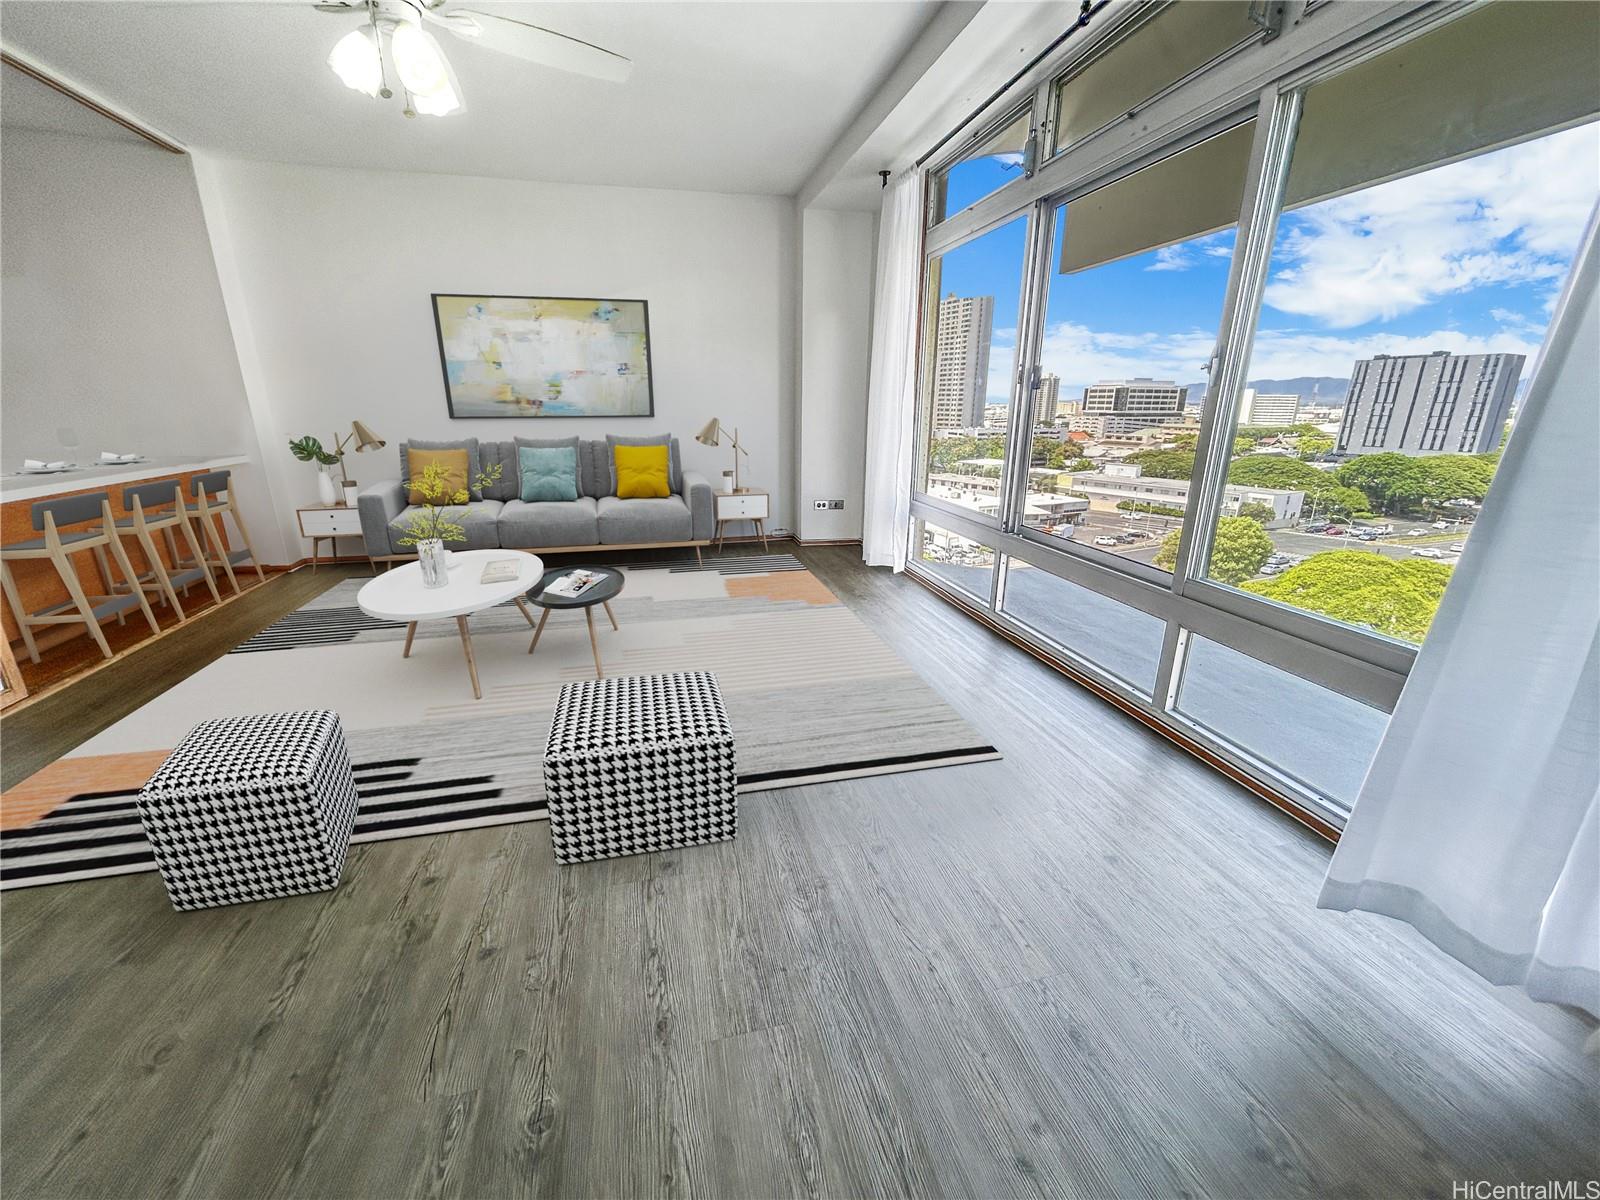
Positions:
(699, 562)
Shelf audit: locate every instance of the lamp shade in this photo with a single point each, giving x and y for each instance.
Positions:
(365, 438)
(711, 435)
(357, 63)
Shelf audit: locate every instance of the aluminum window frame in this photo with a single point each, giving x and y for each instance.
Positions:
(1265, 81)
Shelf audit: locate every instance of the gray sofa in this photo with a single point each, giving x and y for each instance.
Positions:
(501, 520)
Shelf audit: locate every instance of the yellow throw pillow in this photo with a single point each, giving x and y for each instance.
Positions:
(454, 463)
(641, 471)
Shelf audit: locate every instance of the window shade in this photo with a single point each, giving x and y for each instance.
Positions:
(1498, 75)
(1179, 39)
(1186, 195)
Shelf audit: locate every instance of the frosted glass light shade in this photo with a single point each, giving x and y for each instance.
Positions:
(423, 70)
(355, 61)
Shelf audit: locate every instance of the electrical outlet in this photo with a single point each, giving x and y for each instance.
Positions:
(819, 504)
(828, 504)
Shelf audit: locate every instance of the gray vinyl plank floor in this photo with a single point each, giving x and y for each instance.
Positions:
(1091, 969)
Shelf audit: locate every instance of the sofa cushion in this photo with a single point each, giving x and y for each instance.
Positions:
(478, 519)
(547, 473)
(674, 467)
(630, 522)
(525, 526)
(641, 471)
(474, 460)
(503, 454)
(587, 483)
(453, 480)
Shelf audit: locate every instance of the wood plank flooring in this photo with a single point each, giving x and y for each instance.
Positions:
(1092, 969)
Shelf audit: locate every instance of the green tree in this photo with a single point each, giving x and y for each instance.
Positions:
(1241, 547)
(1164, 464)
(1363, 587)
(1261, 513)
(1388, 479)
(1326, 496)
(1311, 447)
(1398, 483)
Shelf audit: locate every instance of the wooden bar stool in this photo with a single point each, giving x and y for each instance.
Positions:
(213, 494)
(149, 505)
(58, 546)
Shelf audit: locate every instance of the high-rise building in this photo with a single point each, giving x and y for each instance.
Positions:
(1124, 405)
(961, 361)
(1268, 409)
(1045, 398)
(1439, 403)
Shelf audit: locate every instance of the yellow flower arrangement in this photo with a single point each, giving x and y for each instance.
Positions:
(435, 518)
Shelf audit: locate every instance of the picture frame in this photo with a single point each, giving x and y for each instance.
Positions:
(532, 357)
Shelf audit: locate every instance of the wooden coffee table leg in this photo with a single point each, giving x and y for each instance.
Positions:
(543, 617)
(411, 632)
(523, 605)
(588, 614)
(472, 663)
(606, 604)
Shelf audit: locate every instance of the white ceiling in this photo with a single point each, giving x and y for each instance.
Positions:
(732, 97)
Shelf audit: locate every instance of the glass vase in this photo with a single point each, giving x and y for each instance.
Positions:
(434, 559)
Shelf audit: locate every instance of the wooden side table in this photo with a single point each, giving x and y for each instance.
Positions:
(329, 522)
(747, 505)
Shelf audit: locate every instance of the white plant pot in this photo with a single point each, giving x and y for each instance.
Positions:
(325, 489)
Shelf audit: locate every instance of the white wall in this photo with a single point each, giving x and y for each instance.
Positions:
(329, 274)
(837, 269)
(112, 328)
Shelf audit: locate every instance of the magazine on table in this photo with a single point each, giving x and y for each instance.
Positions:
(573, 584)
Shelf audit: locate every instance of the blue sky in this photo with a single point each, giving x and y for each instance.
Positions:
(1467, 257)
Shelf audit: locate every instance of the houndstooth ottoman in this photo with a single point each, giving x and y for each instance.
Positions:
(639, 763)
(250, 808)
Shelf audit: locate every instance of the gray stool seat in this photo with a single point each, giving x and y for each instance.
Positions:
(640, 763)
(67, 536)
(252, 808)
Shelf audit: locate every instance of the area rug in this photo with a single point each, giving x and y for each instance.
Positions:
(814, 695)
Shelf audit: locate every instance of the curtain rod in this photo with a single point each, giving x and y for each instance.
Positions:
(72, 93)
(1088, 10)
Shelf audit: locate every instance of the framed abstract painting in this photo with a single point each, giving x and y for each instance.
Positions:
(544, 356)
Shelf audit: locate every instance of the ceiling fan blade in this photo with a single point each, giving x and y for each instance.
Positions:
(534, 44)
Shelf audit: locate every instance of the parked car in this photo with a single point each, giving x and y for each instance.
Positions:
(1334, 531)
(1105, 541)
(1441, 524)
(1316, 527)
(1415, 532)
(1457, 547)
(1427, 552)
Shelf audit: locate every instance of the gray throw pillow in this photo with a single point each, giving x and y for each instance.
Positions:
(474, 462)
(674, 470)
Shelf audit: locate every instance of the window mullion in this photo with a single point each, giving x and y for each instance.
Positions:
(1269, 167)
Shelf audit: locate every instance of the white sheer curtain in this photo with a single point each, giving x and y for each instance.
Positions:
(892, 392)
(1478, 821)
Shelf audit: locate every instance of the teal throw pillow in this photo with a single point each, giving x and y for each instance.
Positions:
(548, 472)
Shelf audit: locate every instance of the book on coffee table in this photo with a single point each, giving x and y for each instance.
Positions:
(499, 570)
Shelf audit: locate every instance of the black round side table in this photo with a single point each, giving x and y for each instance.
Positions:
(602, 593)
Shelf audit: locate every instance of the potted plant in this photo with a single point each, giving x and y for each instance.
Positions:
(434, 522)
(309, 449)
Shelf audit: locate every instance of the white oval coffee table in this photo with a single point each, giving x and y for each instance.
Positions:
(399, 595)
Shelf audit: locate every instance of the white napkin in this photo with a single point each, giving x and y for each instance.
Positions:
(107, 457)
(33, 464)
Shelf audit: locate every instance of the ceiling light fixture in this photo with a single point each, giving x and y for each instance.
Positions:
(425, 73)
(356, 60)
(424, 70)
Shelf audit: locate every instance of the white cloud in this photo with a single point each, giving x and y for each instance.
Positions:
(1172, 258)
(1287, 354)
(1081, 355)
(1510, 217)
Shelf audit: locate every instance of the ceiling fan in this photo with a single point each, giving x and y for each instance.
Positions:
(360, 58)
